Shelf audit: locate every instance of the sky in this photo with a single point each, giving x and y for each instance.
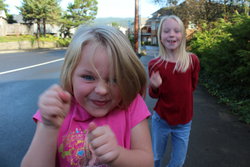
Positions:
(106, 8)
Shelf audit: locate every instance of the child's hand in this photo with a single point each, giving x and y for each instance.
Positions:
(104, 143)
(54, 105)
(155, 80)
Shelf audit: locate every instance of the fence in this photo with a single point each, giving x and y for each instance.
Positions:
(24, 29)
(26, 45)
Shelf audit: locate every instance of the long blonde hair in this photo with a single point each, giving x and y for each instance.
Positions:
(183, 61)
(129, 72)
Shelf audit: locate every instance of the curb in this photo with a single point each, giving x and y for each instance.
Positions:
(31, 50)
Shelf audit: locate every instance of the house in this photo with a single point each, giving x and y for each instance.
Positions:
(123, 29)
(149, 30)
(130, 29)
(148, 27)
(22, 28)
(3, 23)
(11, 29)
(32, 28)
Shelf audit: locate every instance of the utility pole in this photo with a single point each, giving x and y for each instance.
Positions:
(139, 30)
(136, 25)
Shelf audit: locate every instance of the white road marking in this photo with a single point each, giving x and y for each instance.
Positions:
(28, 67)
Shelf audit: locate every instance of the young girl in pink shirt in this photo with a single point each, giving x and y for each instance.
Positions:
(97, 116)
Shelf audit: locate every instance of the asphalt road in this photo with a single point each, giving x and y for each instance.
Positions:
(217, 138)
(19, 92)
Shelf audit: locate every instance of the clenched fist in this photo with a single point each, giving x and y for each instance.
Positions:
(54, 105)
(103, 142)
(155, 80)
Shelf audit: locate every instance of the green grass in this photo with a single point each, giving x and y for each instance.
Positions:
(48, 38)
(16, 38)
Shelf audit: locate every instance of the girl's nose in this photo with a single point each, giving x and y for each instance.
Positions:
(101, 87)
(171, 33)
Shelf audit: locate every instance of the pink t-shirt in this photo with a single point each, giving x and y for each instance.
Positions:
(73, 148)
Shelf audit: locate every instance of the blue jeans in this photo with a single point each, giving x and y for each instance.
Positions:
(179, 138)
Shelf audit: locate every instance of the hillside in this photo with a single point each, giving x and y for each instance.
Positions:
(107, 21)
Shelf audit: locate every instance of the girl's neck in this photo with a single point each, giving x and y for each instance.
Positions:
(172, 56)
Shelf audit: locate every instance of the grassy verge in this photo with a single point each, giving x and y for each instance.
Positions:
(16, 38)
(63, 42)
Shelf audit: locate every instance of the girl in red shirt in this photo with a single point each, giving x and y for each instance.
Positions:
(173, 78)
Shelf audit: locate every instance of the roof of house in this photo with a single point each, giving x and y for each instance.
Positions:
(144, 21)
(2, 14)
(18, 18)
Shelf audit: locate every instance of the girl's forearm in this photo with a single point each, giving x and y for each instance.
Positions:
(42, 151)
(133, 158)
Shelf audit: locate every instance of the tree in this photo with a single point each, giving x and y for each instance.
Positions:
(3, 6)
(10, 19)
(167, 2)
(51, 12)
(115, 24)
(200, 11)
(39, 12)
(79, 12)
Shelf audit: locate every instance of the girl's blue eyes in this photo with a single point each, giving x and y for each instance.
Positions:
(92, 78)
(88, 77)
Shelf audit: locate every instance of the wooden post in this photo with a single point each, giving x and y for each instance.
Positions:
(136, 25)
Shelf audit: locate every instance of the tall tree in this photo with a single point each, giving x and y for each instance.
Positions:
(39, 11)
(51, 12)
(30, 13)
(3, 6)
(167, 2)
(79, 12)
(200, 11)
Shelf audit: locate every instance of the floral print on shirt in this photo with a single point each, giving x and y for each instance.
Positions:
(77, 151)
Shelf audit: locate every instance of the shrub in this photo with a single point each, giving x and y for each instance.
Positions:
(63, 42)
(223, 48)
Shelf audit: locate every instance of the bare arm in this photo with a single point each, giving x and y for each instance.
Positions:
(140, 154)
(54, 105)
(105, 146)
(42, 151)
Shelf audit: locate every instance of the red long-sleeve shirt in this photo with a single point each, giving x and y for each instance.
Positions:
(175, 95)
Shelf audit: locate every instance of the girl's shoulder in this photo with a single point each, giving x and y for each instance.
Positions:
(138, 108)
(137, 100)
(153, 61)
(195, 63)
(194, 57)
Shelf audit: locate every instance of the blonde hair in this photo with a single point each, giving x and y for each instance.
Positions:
(129, 72)
(183, 62)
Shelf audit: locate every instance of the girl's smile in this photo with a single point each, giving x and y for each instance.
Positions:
(171, 42)
(100, 103)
